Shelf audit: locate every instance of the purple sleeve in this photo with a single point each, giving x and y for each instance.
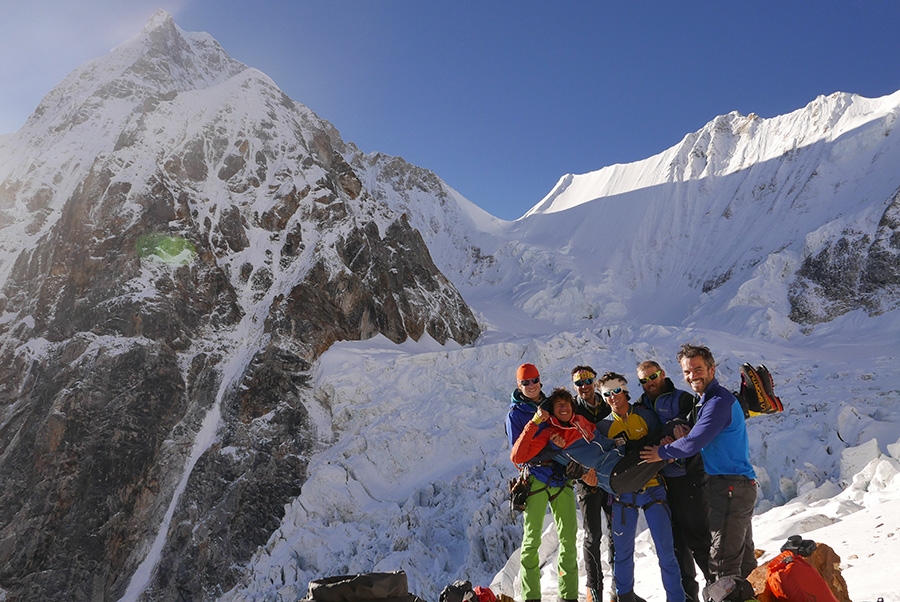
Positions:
(715, 416)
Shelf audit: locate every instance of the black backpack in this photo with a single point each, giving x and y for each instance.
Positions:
(366, 587)
(459, 591)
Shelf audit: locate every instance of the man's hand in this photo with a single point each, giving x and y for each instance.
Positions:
(558, 440)
(541, 415)
(590, 478)
(681, 430)
(650, 454)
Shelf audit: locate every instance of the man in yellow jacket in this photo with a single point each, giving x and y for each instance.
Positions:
(634, 427)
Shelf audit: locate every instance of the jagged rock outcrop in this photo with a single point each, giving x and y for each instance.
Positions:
(166, 283)
(853, 271)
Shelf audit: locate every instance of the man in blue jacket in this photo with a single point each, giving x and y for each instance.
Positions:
(685, 479)
(720, 435)
(548, 486)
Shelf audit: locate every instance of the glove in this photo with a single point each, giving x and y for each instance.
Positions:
(574, 470)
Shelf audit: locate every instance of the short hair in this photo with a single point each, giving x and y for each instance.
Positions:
(649, 365)
(560, 393)
(690, 351)
(608, 376)
(578, 369)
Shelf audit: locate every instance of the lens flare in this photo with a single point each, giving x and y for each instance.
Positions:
(168, 249)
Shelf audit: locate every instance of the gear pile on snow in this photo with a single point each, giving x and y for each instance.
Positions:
(804, 571)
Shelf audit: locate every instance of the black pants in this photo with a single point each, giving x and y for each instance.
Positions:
(594, 504)
(689, 503)
(732, 499)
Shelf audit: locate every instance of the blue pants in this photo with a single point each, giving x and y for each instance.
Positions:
(652, 501)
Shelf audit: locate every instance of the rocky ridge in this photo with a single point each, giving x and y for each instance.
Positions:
(179, 260)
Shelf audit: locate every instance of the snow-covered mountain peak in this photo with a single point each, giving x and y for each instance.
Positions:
(727, 144)
(159, 62)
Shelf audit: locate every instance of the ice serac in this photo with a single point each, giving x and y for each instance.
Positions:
(178, 237)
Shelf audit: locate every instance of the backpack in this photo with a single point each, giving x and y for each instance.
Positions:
(730, 588)
(366, 587)
(792, 579)
(631, 473)
(459, 591)
(757, 392)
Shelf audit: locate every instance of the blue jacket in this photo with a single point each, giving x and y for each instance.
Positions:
(671, 404)
(521, 410)
(720, 435)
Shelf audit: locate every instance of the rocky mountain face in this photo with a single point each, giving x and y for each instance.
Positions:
(179, 242)
(856, 270)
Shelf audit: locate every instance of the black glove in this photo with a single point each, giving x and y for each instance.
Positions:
(574, 470)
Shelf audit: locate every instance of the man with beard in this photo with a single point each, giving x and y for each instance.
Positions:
(685, 479)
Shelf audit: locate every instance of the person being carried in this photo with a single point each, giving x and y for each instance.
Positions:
(633, 427)
(560, 427)
(685, 479)
(549, 485)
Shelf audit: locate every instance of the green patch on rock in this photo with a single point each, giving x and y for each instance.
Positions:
(172, 250)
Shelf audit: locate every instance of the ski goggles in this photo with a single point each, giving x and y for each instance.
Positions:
(650, 377)
(612, 392)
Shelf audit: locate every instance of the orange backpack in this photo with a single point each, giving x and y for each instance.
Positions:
(792, 579)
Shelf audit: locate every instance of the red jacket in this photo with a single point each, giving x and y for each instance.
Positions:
(534, 438)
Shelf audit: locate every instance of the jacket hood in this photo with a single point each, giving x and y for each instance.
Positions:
(518, 397)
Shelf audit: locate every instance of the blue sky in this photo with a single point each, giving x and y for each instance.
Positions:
(500, 99)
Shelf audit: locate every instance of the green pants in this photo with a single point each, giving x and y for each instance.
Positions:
(562, 507)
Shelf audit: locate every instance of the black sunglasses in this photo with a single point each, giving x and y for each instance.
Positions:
(530, 381)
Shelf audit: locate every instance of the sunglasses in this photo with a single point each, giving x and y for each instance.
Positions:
(653, 376)
(584, 382)
(612, 392)
(530, 381)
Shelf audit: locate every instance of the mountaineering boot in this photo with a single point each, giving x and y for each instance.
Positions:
(769, 387)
